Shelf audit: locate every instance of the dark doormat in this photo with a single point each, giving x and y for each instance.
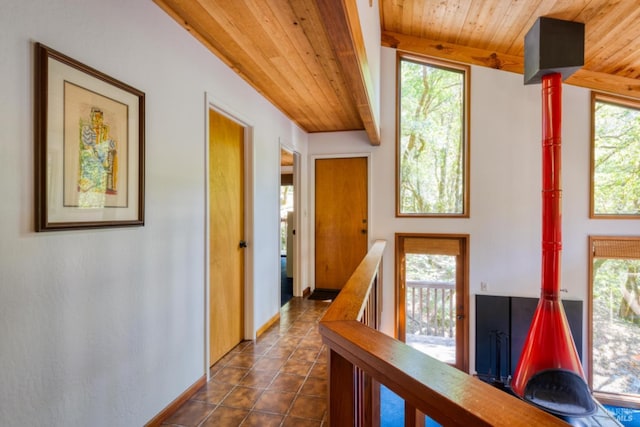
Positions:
(324, 294)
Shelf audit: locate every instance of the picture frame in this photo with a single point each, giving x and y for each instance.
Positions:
(89, 146)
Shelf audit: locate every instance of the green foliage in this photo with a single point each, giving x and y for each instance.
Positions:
(612, 278)
(608, 274)
(431, 139)
(435, 268)
(616, 174)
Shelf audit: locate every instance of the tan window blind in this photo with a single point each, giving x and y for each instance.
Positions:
(431, 246)
(616, 248)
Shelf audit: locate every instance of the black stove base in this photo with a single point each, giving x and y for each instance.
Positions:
(601, 418)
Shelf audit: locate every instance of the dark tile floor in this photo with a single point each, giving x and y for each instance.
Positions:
(278, 380)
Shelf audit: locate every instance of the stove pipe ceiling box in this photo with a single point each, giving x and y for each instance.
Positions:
(553, 45)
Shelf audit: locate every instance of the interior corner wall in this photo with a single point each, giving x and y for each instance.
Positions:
(107, 327)
(505, 187)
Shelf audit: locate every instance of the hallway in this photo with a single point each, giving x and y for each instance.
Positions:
(278, 380)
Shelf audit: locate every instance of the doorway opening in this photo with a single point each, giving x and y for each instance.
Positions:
(288, 196)
(431, 295)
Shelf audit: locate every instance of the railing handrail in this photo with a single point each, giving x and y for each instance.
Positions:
(447, 395)
(430, 284)
(351, 301)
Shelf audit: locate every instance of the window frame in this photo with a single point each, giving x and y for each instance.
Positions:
(617, 101)
(607, 398)
(466, 161)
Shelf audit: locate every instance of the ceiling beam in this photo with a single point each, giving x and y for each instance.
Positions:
(584, 78)
(342, 24)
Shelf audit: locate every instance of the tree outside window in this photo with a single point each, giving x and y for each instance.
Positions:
(615, 157)
(432, 141)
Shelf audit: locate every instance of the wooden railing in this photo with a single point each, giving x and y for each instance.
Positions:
(361, 358)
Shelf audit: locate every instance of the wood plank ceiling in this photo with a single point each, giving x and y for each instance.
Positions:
(307, 56)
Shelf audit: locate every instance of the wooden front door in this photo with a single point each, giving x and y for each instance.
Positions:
(341, 223)
(226, 263)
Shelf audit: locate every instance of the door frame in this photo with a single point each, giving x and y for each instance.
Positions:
(312, 206)
(400, 291)
(211, 103)
(297, 209)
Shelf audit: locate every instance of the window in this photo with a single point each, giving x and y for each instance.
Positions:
(433, 160)
(615, 157)
(614, 323)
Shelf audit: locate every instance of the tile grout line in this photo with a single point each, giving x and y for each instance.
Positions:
(302, 314)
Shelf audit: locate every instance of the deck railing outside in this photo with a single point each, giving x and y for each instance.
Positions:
(431, 308)
(361, 358)
(430, 318)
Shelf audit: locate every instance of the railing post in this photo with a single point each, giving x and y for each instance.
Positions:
(451, 313)
(412, 416)
(374, 403)
(413, 304)
(442, 316)
(420, 304)
(341, 388)
(428, 308)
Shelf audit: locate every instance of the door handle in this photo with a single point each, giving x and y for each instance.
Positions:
(243, 244)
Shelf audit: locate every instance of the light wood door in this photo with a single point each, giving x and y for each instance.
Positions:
(341, 223)
(226, 184)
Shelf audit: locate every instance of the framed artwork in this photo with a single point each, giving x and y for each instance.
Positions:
(89, 146)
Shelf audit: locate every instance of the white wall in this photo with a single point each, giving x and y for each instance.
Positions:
(505, 213)
(106, 327)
